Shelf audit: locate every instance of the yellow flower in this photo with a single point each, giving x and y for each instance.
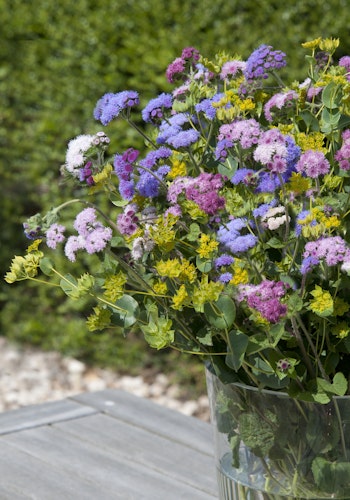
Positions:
(207, 291)
(240, 275)
(341, 330)
(100, 320)
(322, 302)
(34, 246)
(207, 246)
(312, 44)
(178, 168)
(188, 271)
(313, 140)
(329, 44)
(163, 234)
(180, 298)
(298, 184)
(114, 286)
(170, 268)
(160, 288)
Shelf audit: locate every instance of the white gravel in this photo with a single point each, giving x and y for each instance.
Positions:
(30, 376)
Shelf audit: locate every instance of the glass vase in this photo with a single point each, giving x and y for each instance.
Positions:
(269, 446)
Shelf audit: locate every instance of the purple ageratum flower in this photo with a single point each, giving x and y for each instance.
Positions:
(265, 298)
(154, 111)
(231, 68)
(111, 105)
(92, 235)
(223, 260)
(176, 70)
(313, 164)
(127, 189)
(268, 182)
(148, 184)
(244, 132)
(54, 235)
(243, 175)
(97, 239)
(86, 174)
(204, 191)
(206, 106)
(231, 238)
(85, 221)
(262, 209)
(184, 138)
(222, 149)
(153, 157)
(190, 54)
(225, 277)
(272, 151)
(172, 127)
(345, 63)
(73, 244)
(343, 154)
(127, 221)
(333, 250)
(308, 264)
(279, 101)
(262, 61)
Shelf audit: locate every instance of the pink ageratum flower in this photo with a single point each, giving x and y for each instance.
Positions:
(265, 298)
(231, 68)
(244, 132)
(272, 151)
(279, 101)
(343, 154)
(313, 164)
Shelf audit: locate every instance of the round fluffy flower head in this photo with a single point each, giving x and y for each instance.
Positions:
(154, 111)
(244, 132)
(231, 69)
(265, 298)
(343, 154)
(75, 156)
(54, 235)
(262, 61)
(345, 63)
(313, 164)
(176, 70)
(278, 102)
(111, 105)
(190, 54)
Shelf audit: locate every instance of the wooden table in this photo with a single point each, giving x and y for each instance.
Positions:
(103, 446)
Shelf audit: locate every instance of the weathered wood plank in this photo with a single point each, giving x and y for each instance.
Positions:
(141, 446)
(87, 463)
(41, 414)
(153, 417)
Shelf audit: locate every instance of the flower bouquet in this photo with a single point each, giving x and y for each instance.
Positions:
(226, 237)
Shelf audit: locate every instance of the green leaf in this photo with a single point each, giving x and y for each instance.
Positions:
(331, 95)
(127, 309)
(194, 233)
(237, 345)
(159, 335)
(331, 477)
(203, 265)
(338, 387)
(222, 313)
(229, 167)
(46, 266)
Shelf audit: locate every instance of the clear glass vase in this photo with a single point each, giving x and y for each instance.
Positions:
(269, 446)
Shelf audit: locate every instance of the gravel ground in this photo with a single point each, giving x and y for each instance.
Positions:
(30, 376)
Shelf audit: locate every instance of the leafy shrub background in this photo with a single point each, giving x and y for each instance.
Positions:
(57, 60)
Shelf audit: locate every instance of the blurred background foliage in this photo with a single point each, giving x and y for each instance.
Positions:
(57, 60)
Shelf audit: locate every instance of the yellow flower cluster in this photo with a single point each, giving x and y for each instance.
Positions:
(178, 168)
(313, 140)
(207, 246)
(114, 286)
(322, 302)
(325, 224)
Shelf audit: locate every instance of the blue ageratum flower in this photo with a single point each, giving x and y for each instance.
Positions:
(154, 111)
(262, 61)
(111, 105)
(229, 235)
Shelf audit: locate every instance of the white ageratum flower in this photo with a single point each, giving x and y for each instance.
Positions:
(75, 158)
(273, 222)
